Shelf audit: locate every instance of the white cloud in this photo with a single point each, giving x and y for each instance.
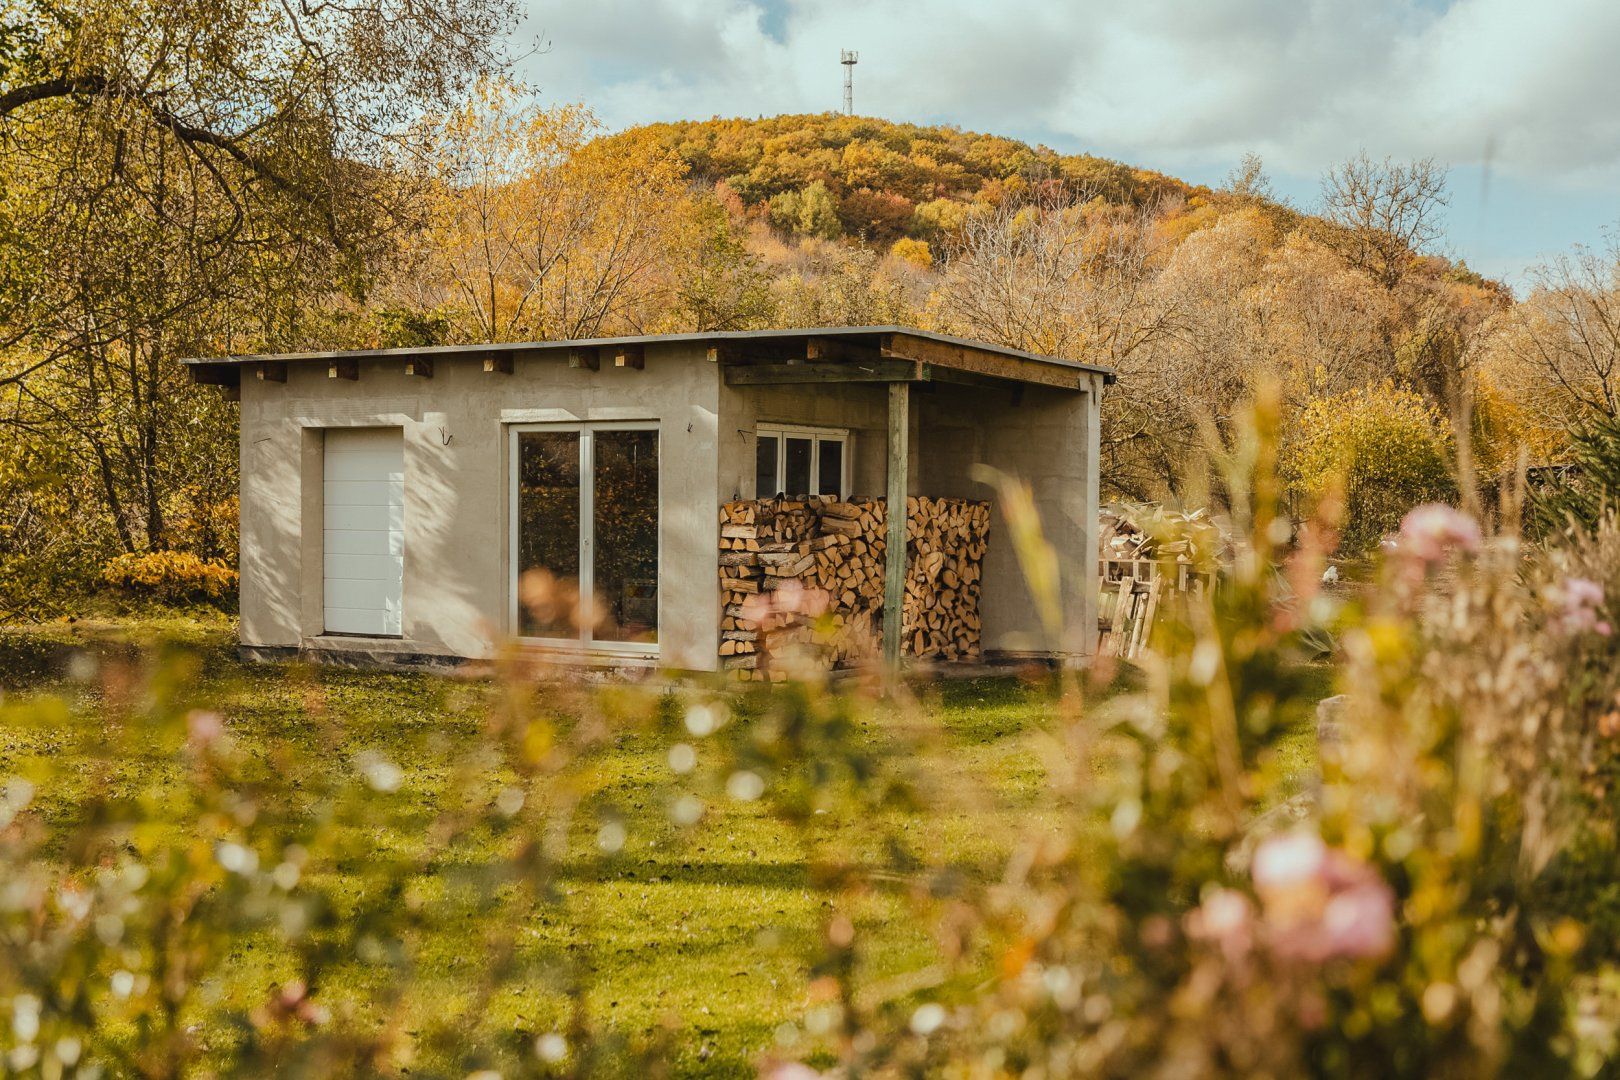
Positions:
(1166, 83)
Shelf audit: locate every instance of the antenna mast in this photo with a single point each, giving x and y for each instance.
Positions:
(849, 58)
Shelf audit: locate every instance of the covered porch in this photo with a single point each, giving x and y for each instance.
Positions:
(920, 415)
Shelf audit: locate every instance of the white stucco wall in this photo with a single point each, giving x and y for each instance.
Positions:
(456, 594)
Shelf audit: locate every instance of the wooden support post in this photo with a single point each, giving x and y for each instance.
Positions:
(499, 363)
(420, 366)
(343, 367)
(630, 356)
(894, 573)
(273, 371)
(585, 359)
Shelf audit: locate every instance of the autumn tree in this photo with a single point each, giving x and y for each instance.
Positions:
(1061, 275)
(1383, 214)
(716, 281)
(811, 211)
(825, 284)
(1065, 275)
(1383, 448)
(1561, 345)
(541, 230)
(187, 178)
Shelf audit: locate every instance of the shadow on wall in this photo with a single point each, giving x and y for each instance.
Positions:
(449, 582)
(271, 559)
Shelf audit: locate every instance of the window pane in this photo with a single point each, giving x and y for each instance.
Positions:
(548, 533)
(625, 564)
(766, 447)
(797, 480)
(831, 468)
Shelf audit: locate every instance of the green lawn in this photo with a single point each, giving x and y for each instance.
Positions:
(702, 936)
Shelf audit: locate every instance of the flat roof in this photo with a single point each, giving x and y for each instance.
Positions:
(856, 334)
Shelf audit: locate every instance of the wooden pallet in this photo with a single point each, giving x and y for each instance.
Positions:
(1125, 610)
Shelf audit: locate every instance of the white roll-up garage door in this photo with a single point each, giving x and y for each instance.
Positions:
(365, 530)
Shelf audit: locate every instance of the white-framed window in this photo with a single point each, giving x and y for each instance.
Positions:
(793, 460)
(584, 509)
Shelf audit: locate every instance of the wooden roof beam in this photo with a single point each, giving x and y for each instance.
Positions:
(874, 371)
(941, 354)
(825, 348)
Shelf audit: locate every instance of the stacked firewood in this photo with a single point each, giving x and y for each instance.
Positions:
(945, 542)
(802, 582)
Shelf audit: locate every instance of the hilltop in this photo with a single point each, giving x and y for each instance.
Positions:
(833, 175)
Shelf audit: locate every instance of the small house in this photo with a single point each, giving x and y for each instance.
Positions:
(427, 505)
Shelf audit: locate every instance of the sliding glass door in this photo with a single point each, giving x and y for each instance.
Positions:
(584, 509)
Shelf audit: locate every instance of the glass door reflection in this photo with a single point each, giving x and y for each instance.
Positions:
(585, 534)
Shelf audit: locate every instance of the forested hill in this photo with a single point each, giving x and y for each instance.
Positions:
(882, 180)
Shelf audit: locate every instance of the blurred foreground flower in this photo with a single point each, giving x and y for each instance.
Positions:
(203, 728)
(1226, 920)
(1321, 903)
(1577, 604)
(1433, 531)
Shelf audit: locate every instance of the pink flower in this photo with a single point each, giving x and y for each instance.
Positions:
(203, 728)
(779, 606)
(1432, 531)
(1225, 919)
(1583, 592)
(789, 1070)
(1322, 903)
(1289, 860)
(1360, 921)
(1576, 603)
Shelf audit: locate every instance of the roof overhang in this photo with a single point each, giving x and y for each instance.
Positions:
(750, 357)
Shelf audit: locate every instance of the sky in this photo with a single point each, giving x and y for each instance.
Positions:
(1520, 98)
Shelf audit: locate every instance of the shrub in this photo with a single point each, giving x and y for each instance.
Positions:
(812, 212)
(1385, 447)
(876, 216)
(1587, 488)
(171, 577)
(915, 252)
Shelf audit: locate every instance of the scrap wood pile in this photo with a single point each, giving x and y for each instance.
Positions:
(1141, 532)
(802, 582)
(1148, 551)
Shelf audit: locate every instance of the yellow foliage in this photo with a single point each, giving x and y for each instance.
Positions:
(763, 157)
(1503, 425)
(169, 576)
(1383, 446)
(915, 252)
(541, 229)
